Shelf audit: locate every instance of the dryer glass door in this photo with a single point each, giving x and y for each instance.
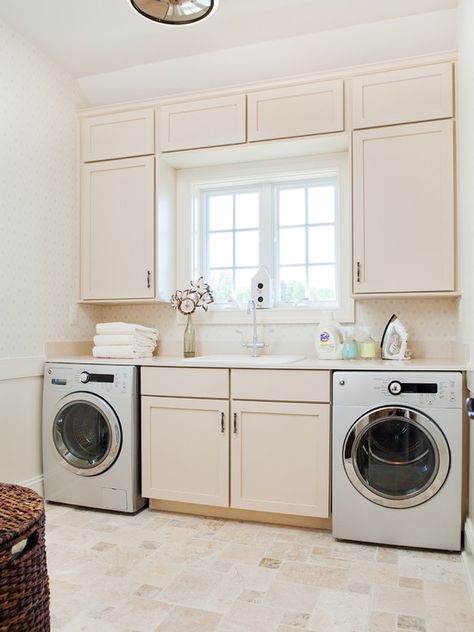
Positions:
(396, 457)
(86, 433)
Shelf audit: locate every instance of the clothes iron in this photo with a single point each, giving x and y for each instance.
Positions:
(394, 340)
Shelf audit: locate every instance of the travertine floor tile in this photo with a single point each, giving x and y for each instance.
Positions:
(189, 620)
(191, 587)
(162, 572)
(248, 617)
(311, 574)
(296, 597)
(406, 601)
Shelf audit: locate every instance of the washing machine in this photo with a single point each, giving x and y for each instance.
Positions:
(397, 458)
(91, 436)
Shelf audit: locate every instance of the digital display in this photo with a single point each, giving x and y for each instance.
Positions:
(58, 381)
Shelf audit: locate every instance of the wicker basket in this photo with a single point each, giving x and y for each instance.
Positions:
(24, 588)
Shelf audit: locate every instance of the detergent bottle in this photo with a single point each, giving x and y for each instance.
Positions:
(329, 340)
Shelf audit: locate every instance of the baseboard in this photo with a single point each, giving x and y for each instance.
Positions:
(36, 484)
(241, 514)
(468, 556)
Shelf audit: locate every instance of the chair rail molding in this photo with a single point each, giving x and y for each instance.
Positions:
(21, 367)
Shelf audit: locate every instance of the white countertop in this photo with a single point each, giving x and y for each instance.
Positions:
(426, 364)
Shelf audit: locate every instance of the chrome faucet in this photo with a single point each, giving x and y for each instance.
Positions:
(256, 345)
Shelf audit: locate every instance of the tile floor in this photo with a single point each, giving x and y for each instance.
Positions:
(176, 573)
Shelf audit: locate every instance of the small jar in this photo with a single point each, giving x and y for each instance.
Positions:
(350, 349)
(368, 348)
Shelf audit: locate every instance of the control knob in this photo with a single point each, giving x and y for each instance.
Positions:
(395, 388)
(84, 377)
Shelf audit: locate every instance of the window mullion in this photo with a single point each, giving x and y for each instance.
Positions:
(266, 231)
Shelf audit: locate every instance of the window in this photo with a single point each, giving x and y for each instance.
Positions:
(291, 220)
(289, 228)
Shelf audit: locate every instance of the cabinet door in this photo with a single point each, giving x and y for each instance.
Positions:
(117, 229)
(404, 208)
(121, 135)
(280, 457)
(403, 96)
(203, 123)
(185, 450)
(311, 108)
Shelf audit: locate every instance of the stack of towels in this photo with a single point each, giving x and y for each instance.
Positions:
(124, 340)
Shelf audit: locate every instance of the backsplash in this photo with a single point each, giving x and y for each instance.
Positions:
(431, 323)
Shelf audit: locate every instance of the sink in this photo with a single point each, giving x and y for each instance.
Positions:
(238, 358)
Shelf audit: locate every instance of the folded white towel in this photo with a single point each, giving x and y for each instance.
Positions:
(138, 340)
(124, 328)
(120, 351)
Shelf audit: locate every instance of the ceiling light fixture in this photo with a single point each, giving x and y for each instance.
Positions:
(175, 11)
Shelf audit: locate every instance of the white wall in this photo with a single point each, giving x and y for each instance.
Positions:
(365, 43)
(466, 211)
(38, 239)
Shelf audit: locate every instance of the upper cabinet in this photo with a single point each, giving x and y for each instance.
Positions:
(117, 229)
(421, 93)
(403, 187)
(122, 135)
(202, 123)
(302, 110)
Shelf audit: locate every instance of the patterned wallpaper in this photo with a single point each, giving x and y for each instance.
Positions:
(37, 201)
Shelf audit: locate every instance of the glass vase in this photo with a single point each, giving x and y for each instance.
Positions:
(190, 338)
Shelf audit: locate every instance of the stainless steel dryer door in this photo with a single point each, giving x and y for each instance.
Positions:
(396, 457)
(86, 434)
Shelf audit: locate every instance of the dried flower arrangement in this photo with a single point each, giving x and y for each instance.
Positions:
(199, 294)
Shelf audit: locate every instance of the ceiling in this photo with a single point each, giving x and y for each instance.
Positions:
(95, 36)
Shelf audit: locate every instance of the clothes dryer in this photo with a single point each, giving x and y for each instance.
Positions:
(397, 458)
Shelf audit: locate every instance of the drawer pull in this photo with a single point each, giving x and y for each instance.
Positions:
(222, 423)
(235, 423)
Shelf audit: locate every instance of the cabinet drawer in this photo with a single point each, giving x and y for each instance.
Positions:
(122, 135)
(403, 96)
(177, 382)
(204, 123)
(281, 385)
(311, 108)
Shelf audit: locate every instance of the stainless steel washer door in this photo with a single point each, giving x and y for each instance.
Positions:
(396, 457)
(86, 434)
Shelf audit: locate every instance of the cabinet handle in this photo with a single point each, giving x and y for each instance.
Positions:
(222, 423)
(235, 423)
(358, 271)
(148, 279)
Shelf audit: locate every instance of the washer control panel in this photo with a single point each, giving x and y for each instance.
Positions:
(426, 389)
(101, 379)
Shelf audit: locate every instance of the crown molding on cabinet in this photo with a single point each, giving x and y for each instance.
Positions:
(336, 73)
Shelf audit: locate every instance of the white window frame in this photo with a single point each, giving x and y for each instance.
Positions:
(191, 182)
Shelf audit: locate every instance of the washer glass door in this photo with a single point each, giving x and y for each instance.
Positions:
(396, 457)
(86, 433)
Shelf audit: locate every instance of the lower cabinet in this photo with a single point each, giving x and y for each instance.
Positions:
(270, 454)
(280, 457)
(185, 450)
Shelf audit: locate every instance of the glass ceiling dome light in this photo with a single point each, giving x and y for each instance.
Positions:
(175, 11)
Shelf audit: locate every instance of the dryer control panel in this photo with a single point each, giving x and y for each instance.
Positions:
(427, 389)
